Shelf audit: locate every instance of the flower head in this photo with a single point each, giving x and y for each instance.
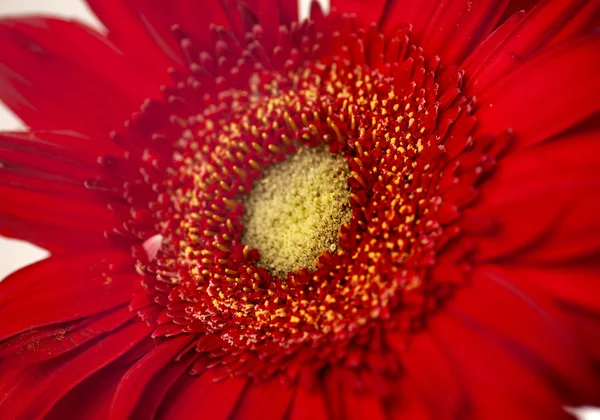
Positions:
(388, 210)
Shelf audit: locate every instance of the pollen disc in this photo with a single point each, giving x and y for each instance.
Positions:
(294, 212)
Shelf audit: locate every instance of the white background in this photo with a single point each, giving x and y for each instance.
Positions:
(16, 254)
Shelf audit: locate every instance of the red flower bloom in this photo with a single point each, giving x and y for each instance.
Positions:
(438, 161)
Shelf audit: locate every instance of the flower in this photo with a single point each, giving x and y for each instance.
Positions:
(385, 211)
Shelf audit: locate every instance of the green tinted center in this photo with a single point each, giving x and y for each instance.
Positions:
(295, 211)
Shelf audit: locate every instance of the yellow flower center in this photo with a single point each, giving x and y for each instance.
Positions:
(295, 211)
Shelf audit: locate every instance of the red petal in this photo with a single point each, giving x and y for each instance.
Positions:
(62, 75)
(344, 401)
(61, 289)
(543, 202)
(133, 383)
(50, 237)
(363, 405)
(36, 200)
(418, 14)
(42, 176)
(459, 26)
(289, 11)
(64, 153)
(308, 404)
(546, 95)
(367, 11)
(515, 6)
(500, 384)
(542, 224)
(333, 395)
(264, 400)
(553, 349)
(518, 222)
(426, 362)
(143, 29)
(46, 343)
(529, 36)
(269, 17)
(585, 325)
(157, 389)
(203, 394)
(147, 43)
(490, 45)
(411, 404)
(582, 22)
(70, 145)
(33, 396)
(575, 285)
(91, 399)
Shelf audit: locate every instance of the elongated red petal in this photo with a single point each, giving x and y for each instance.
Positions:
(62, 75)
(542, 202)
(411, 405)
(159, 386)
(46, 236)
(363, 405)
(367, 11)
(33, 396)
(267, 400)
(137, 37)
(584, 324)
(584, 21)
(308, 404)
(289, 11)
(515, 6)
(458, 27)
(529, 36)
(27, 193)
(143, 29)
(553, 349)
(136, 379)
(42, 182)
(416, 14)
(332, 389)
(499, 384)
(526, 100)
(569, 293)
(52, 341)
(426, 363)
(571, 284)
(61, 289)
(90, 399)
(480, 55)
(204, 394)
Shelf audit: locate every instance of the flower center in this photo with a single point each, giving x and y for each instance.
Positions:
(295, 211)
(304, 211)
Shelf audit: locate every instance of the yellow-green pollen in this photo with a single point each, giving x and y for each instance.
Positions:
(295, 211)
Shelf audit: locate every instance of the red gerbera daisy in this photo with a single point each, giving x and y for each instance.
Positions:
(388, 211)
